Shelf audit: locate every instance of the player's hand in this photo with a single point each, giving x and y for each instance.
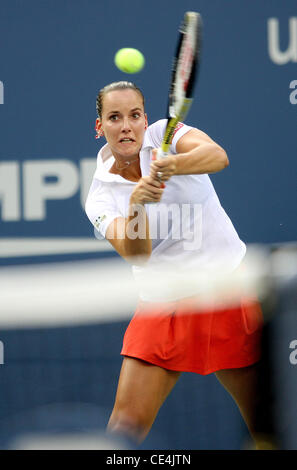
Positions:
(162, 169)
(147, 190)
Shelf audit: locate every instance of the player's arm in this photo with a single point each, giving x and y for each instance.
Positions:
(124, 235)
(130, 236)
(197, 153)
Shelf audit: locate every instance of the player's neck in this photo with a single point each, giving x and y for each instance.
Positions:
(129, 170)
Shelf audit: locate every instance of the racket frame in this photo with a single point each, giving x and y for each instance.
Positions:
(178, 107)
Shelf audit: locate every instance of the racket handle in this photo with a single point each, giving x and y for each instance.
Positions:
(161, 154)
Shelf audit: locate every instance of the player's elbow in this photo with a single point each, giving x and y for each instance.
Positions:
(222, 158)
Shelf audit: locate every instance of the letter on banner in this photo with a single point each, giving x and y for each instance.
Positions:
(1, 93)
(10, 191)
(276, 55)
(293, 94)
(37, 190)
(87, 169)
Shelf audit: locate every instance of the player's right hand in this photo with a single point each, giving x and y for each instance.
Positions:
(147, 190)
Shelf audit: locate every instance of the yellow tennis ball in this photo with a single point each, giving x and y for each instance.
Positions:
(129, 60)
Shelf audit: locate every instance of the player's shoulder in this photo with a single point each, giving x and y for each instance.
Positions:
(154, 133)
(159, 122)
(157, 125)
(160, 125)
(156, 130)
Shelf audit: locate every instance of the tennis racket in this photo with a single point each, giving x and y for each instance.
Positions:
(184, 73)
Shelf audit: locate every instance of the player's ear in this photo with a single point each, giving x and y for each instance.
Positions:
(146, 122)
(98, 129)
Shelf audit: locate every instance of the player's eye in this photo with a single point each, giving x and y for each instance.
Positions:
(113, 117)
(136, 115)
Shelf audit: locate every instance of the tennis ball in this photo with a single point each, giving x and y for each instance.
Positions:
(129, 60)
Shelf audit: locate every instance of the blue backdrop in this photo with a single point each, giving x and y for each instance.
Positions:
(54, 57)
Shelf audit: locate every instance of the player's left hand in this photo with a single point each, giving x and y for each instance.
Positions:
(163, 168)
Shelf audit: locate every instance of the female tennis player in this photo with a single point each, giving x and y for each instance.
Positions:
(138, 203)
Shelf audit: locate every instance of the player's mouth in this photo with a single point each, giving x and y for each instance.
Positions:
(126, 140)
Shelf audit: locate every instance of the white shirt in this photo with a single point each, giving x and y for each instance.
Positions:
(189, 228)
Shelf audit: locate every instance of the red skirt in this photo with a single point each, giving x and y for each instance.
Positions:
(175, 336)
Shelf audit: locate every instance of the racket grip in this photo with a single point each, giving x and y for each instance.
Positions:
(161, 154)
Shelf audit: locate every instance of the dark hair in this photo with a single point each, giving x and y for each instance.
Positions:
(115, 86)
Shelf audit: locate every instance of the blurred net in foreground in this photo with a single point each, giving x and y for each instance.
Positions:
(62, 327)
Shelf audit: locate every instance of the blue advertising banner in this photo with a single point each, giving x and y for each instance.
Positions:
(55, 56)
(58, 369)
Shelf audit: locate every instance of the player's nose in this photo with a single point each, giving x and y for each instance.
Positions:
(126, 125)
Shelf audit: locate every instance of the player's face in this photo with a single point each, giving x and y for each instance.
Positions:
(123, 122)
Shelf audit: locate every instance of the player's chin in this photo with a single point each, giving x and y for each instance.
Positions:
(129, 149)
